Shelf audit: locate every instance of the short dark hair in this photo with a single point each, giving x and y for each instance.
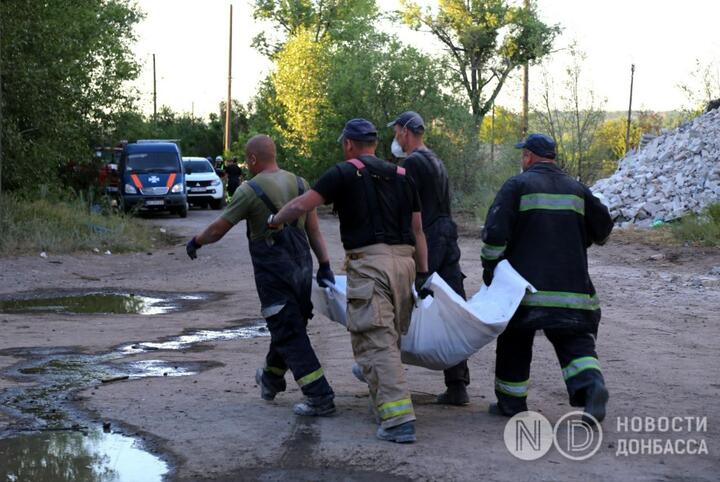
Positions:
(364, 144)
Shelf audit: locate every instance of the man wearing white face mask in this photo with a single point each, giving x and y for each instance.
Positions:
(431, 179)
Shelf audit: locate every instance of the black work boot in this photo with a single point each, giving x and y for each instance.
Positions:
(268, 390)
(596, 398)
(499, 408)
(316, 406)
(402, 434)
(456, 394)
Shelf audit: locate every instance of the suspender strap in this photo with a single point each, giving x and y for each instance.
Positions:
(301, 191)
(373, 206)
(372, 199)
(263, 197)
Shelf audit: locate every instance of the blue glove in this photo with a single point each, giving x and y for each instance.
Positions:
(324, 274)
(192, 248)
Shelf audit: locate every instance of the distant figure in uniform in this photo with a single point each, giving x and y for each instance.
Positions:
(431, 179)
(381, 230)
(283, 274)
(234, 176)
(543, 221)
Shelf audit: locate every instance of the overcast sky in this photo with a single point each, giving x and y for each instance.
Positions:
(662, 37)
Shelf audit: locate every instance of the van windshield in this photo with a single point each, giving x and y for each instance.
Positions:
(198, 166)
(153, 161)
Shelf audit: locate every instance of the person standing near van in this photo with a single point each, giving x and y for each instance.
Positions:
(283, 274)
(234, 176)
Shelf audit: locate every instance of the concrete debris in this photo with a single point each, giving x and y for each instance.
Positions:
(677, 173)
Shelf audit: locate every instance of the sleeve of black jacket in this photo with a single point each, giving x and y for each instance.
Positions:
(499, 225)
(598, 222)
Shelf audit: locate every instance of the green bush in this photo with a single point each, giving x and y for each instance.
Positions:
(487, 180)
(64, 224)
(701, 229)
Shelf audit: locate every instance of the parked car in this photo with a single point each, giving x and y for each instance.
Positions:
(152, 177)
(204, 186)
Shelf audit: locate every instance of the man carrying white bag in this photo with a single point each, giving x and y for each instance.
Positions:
(445, 329)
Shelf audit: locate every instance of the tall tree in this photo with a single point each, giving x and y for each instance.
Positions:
(319, 19)
(486, 40)
(64, 67)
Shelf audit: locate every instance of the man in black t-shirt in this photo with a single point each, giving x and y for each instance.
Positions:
(381, 230)
(431, 179)
(234, 176)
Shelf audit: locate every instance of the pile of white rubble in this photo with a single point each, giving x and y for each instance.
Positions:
(677, 173)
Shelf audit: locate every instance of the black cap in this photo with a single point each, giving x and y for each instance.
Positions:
(540, 144)
(411, 120)
(359, 130)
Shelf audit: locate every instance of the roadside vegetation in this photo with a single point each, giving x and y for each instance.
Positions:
(700, 229)
(57, 224)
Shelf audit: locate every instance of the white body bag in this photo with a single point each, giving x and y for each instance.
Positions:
(444, 329)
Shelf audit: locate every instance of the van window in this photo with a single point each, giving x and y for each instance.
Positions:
(152, 161)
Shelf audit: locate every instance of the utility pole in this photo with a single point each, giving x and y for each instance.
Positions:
(228, 105)
(492, 134)
(154, 91)
(629, 119)
(526, 90)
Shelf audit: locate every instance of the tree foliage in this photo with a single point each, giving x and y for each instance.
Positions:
(486, 40)
(334, 20)
(63, 65)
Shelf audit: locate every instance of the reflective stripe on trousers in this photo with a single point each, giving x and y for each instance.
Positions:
(395, 409)
(562, 299)
(513, 389)
(579, 365)
(311, 377)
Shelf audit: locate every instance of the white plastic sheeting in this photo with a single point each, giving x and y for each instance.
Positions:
(445, 329)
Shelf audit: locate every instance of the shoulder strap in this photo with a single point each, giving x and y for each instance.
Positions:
(371, 196)
(263, 197)
(300, 185)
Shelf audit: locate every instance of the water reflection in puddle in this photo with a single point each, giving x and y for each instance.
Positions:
(97, 456)
(78, 457)
(99, 302)
(185, 341)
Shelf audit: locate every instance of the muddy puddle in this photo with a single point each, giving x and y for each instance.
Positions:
(78, 456)
(114, 302)
(65, 448)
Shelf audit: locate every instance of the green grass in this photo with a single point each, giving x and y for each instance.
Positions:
(30, 226)
(700, 229)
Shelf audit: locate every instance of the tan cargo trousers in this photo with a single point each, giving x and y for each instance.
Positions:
(380, 301)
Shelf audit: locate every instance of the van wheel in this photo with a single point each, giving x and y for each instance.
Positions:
(182, 212)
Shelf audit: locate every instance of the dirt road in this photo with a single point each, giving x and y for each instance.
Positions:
(659, 345)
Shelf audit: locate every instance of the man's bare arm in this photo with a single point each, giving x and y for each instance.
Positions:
(297, 207)
(317, 242)
(214, 232)
(421, 261)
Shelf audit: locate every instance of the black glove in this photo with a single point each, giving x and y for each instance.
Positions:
(487, 276)
(324, 274)
(192, 248)
(420, 280)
